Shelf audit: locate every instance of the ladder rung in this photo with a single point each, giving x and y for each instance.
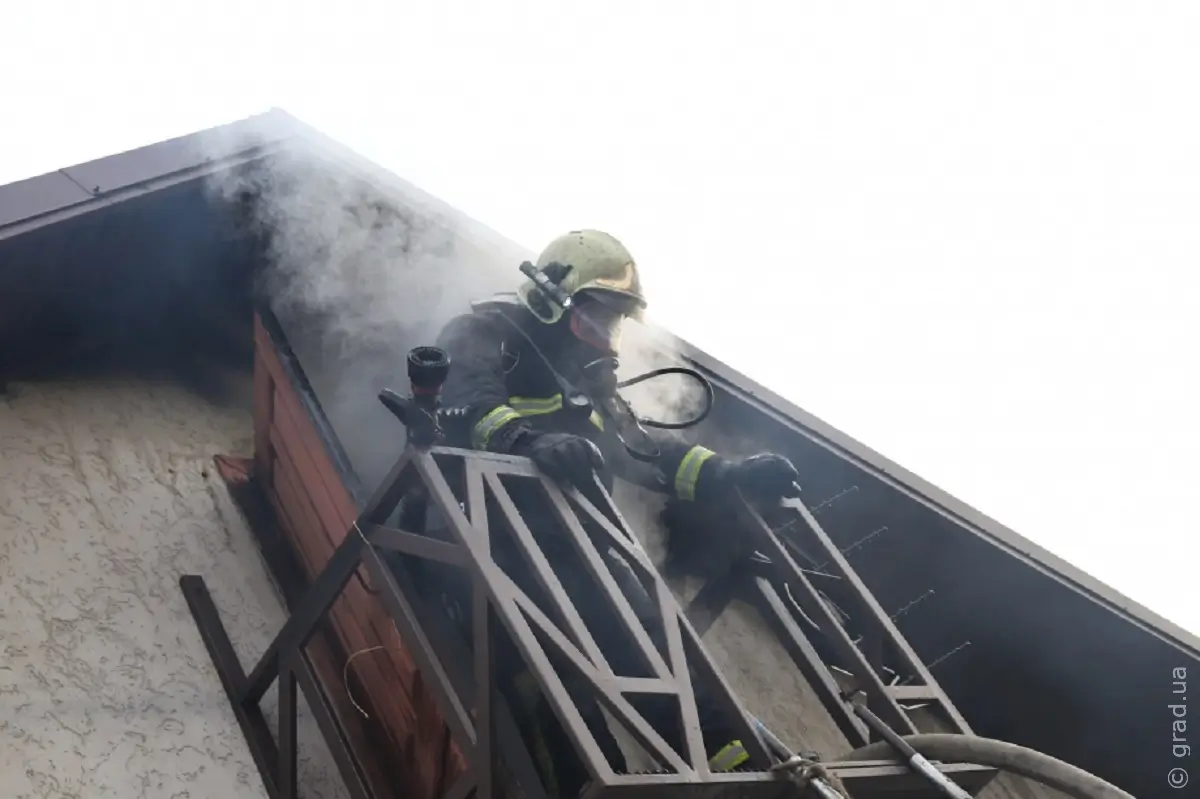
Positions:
(913, 693)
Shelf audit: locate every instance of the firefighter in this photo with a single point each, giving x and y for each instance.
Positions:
(516, 359)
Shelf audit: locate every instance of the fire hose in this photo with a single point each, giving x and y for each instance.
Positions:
(919, 750)
(1014, 759)
(422, 416)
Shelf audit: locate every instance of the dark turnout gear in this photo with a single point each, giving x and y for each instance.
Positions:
(511, 397)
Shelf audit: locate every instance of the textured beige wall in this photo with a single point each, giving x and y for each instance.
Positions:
(107, 496)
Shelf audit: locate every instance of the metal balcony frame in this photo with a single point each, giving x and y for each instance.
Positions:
(862, 659)
(487, 740)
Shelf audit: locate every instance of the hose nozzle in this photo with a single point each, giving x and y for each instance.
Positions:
(427, 370)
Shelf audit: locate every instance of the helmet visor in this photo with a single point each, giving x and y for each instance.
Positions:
(598, 322)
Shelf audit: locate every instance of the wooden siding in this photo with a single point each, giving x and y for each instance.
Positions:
(315, 511)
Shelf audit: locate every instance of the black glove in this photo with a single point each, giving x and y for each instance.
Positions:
(562, 457)
(765, 478)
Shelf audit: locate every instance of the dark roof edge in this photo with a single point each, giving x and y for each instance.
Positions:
(45, 200)
(200, 154)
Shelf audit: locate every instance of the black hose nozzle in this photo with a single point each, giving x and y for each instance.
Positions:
(427, 370)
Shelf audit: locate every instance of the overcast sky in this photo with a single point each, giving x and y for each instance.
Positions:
(965, 233)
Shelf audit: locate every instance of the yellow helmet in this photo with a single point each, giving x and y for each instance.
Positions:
(594, 262)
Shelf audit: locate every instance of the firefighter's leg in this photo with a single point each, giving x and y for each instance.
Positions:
(720, 739)
(561, 769)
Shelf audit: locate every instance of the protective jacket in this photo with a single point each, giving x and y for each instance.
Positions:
(506, 392)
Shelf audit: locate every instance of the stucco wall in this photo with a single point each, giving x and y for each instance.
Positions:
(107, 496)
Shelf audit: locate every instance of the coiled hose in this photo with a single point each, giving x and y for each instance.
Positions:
(1032, 765)
(629, 424)
(705, 385)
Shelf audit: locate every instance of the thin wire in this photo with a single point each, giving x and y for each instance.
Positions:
(346, 676)
(953, 651)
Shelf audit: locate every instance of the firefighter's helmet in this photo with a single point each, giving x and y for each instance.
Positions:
(586, 262)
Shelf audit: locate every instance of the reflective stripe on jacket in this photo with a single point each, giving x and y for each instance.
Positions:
(520, 408)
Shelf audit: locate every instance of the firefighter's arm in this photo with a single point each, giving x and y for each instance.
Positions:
(693, 472)
(688, 470)
(476, 383)
(677, 470)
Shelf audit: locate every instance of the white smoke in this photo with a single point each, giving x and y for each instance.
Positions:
(339, 248)
(359, 272)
